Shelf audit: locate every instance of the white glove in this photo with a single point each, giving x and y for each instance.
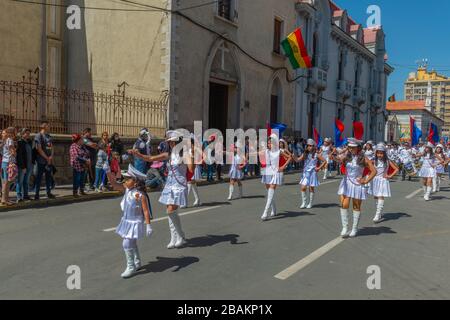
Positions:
(149, 231)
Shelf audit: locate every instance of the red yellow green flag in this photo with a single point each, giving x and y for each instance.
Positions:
(294, 48)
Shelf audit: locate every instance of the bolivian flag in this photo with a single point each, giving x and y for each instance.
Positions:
(294, 48)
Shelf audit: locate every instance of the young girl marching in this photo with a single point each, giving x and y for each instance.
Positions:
(368, 150)
(379, 187)
(175, 190)
(135, 222)
(193, 178)
(440, 167)
(325, 151)
(428, 170)
(352, 185)
(236, 173)
(272, 173)
(309, 179)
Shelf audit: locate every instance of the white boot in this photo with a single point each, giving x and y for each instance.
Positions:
(424, 188)
(197, 202)
(173, 235)
(428, 193)
(178, 230)
(230, 195)
(240, 192)
(187, 200)
(303, 205)
(434, 185)
(438, 189)
(356, 217)
(325, 174)
(131, 269)
(137, 259)
(273, 213)
(379, 213)
(270, 194)
(311, 199)
(344, 220)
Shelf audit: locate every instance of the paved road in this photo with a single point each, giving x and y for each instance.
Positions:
(231, 254)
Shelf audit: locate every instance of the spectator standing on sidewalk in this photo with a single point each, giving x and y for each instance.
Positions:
(117, 145)
(44, 159)
(144, 147)
(24, 164)
(78, 159)
(9, 159)
(91, 147)
(101, 164)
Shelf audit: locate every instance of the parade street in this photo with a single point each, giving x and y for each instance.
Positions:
(231, 253)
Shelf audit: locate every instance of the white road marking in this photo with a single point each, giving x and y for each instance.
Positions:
(328, 182)
(412, 195)
(283, 275)
(165, 218)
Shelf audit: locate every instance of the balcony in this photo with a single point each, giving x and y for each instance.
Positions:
(317, 78)
(344, 89)
(359, 95)
(376, 100)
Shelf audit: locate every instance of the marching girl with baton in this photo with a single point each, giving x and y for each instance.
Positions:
(428, 170)
(380, 187)
(352, 187)
(135, 222)
(440, 168)
(193, 178)
(175, 190)
(272, 172)
(236, 173)
(309, 179)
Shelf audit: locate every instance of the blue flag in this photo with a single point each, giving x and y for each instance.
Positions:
(280, 127)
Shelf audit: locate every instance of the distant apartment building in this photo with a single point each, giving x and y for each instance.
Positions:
(434, 89)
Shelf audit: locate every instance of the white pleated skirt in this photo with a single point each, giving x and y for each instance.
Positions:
(236, 174)
(351, 190)
(273, 179)
(131, 229)
(440, 169)
(380, 187)
(310, 179)
(174, 193)
(427, 172)
(197, 173)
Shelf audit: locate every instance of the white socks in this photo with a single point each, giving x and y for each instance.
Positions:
(311, 199)
(303, 205)
(356, 217)
(325, 175)
(274, 209)
(195, 192)
(230, 195)
(379, 212)
(270, 194)
(344, 220)
(428, 193)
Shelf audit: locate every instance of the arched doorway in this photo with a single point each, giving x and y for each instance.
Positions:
(223, 109)
(276, 102)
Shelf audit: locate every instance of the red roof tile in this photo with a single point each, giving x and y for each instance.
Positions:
(405, 105)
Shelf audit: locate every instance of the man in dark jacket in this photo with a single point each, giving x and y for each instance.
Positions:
(24, 164)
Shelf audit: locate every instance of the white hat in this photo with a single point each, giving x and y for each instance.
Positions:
(381, 147)
(134, 173)
(352, 142)
(284, 141)
(327, 140)
(273, 136)
(430, 145)
(173, 135)
(440, 146)
(311, 142)
(370, 142)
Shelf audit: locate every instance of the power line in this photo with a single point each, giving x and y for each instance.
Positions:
(84, 7)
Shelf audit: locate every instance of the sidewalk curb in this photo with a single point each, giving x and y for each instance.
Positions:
(69, 199)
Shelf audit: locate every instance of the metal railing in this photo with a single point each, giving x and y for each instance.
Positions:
(26, 104)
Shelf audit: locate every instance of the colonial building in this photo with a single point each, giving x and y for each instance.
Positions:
(218, 62)
(349, 77)
(434, 89)
(402, 111)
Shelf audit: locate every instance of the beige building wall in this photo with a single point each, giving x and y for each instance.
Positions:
(117, 46)
(21, 36)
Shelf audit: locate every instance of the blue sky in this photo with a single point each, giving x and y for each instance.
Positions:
(414, 30)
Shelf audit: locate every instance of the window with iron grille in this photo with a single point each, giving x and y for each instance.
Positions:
(225, 9)
(278, 29)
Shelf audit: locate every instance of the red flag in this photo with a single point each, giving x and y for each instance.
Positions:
(358, 130)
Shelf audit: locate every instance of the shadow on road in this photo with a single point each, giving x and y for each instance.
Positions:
(211, 240)
(216, 203)
(326, 205)
(254, 197)
(395, 216)
(291, 214)
(375, 231)
(163, 263)
(439, 198)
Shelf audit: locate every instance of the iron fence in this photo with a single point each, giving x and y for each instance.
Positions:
(26, 104)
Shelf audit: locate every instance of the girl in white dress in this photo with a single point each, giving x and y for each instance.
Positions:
(272, 173)
(379, 186)
(352, 185)
(194, 178)
(135, 222)
(368, 150)
(428, 170)
(309, 179)
(325, 151)
(440, 167)
(236, 173)
(175, 190)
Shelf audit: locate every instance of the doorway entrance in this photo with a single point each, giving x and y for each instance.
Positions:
(218, 106)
